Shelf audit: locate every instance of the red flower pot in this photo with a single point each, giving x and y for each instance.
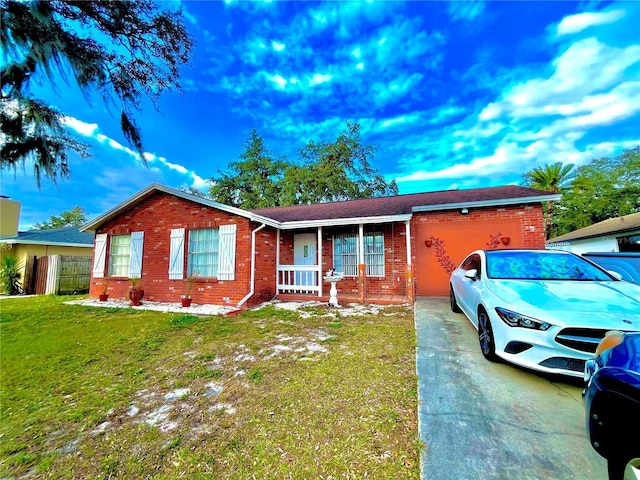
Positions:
(136, 295)
(186, 302)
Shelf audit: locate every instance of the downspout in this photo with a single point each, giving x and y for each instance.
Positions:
(253, 269)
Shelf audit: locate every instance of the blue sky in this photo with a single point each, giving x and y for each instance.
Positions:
(453, 95)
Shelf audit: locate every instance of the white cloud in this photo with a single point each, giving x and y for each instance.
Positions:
(319, 78)
(392, 121)
(199, 183)
(581, 21)
(277, 46)
(465, 10)
(279, 80)
(83, 128)
(91, 130)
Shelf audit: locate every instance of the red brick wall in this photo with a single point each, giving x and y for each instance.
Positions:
(454, 236)
(160, 213)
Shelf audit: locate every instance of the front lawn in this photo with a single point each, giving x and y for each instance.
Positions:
(271, 393)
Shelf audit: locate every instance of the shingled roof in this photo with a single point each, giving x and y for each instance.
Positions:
(406, 204)
(606, 227)
(370, 210)
(67, 236)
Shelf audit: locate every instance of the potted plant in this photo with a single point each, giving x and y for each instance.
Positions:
(104, 286)
(188, 286)
(136, 292)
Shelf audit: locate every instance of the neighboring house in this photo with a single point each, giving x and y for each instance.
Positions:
(31, 245)
(389, 249)
(620, 234)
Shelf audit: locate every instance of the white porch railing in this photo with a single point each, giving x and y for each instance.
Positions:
(299, 279)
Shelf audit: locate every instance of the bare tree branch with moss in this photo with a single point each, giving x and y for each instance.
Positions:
(123, 50)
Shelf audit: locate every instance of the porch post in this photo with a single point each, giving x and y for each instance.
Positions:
(277, 260)
(410, 289)
(362, 270)
(319, 262)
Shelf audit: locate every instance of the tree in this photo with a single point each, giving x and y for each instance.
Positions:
(336, 171)
(550, 178)
(602, 189)
(252, 182)
(326, 172)
(71, 218)
(123, 50)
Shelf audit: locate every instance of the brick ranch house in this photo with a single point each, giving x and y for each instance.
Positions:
(389, 249)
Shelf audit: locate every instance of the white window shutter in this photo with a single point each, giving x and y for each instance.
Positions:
(227, 259)
(99, 260)
(176, 254)
(135, 258)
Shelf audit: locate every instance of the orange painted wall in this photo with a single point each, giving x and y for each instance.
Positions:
(453, 236)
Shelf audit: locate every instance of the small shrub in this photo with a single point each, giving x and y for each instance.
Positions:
(10, 275)
(255, 375)
(182, 321)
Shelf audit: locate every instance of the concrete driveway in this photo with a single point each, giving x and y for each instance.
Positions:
(483, 420)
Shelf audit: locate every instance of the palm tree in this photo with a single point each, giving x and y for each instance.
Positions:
(550, 178)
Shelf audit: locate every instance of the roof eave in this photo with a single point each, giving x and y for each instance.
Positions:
(108, 215)
(44, 242)
(336, 222)
(487, 203)
(564, 238)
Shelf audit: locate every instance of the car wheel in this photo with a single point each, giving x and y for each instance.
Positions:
(485, 336)
(632, 471)
(623, 467)
(452, 300)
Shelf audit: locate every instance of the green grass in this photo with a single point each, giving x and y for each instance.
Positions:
(268, 394)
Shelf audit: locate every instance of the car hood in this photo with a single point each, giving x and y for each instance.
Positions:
(597, 304)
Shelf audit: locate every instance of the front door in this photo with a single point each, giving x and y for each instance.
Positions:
(304, 253)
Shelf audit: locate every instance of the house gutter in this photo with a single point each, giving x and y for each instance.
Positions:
(253, 269)
(501, 202)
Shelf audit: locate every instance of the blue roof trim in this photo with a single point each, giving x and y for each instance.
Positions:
(65, 235)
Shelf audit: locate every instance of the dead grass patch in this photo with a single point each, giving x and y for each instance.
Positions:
(271, 393)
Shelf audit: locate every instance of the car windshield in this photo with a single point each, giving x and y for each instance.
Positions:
(517, 265)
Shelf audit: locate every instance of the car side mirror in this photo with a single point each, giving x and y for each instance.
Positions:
(472, 274)
(614, 274)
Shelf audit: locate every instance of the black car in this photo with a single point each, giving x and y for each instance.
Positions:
(612, 402)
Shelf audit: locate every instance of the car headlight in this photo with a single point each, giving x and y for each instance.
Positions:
(514, 319)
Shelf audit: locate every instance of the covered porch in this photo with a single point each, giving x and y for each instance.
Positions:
(374, 259)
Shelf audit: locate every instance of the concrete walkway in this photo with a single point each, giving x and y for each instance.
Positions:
(483, 420)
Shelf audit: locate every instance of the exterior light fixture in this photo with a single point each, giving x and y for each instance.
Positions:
(464, 211)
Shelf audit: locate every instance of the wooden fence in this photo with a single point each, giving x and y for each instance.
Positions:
(57, 275)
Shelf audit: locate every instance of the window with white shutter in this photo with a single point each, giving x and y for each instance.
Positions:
(100, 257)
(227, 264)
(204, 248)
(135, 256)
(176, 254)
(119, 254)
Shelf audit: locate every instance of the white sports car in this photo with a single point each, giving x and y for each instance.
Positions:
(542, 309)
